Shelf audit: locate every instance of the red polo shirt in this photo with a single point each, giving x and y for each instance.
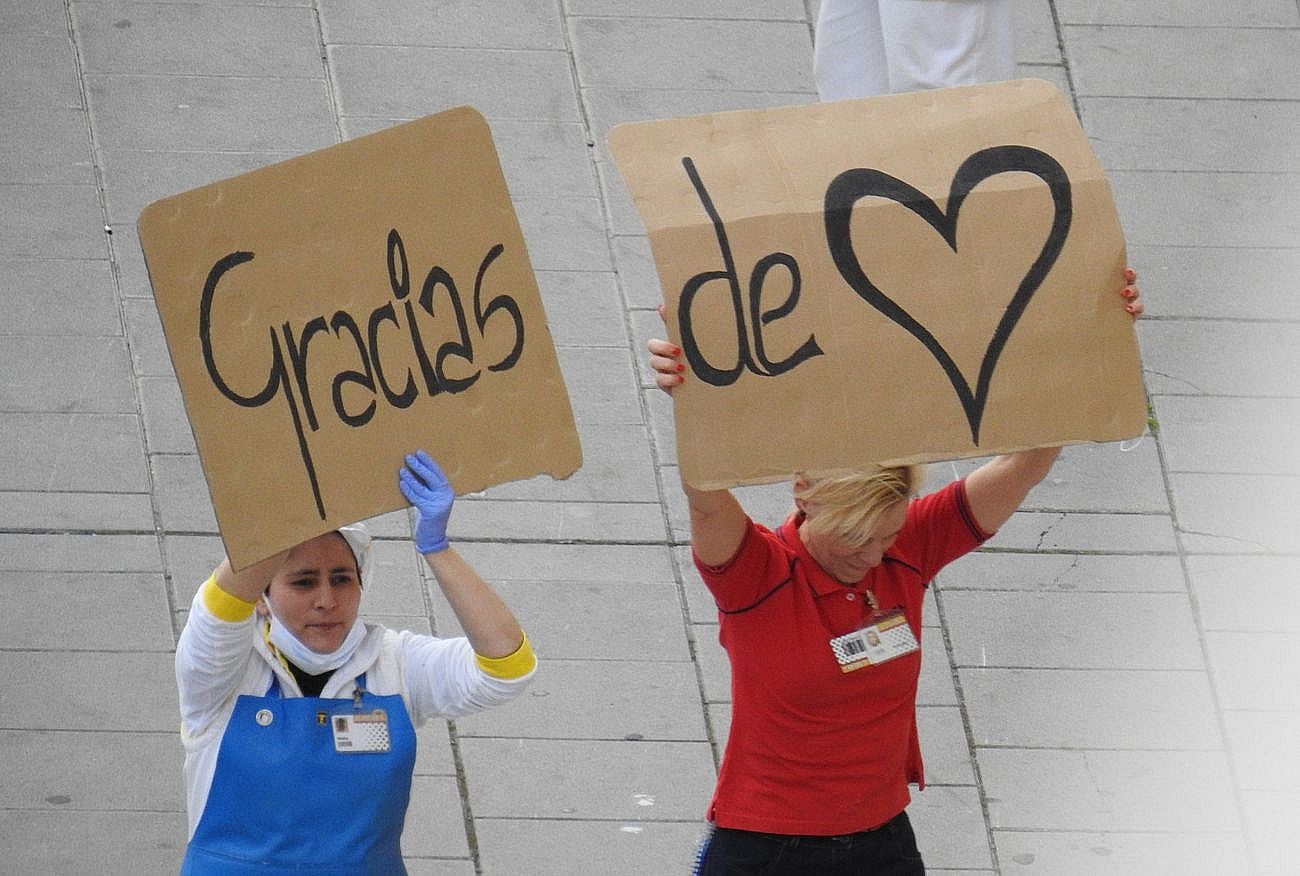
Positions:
(814, 750)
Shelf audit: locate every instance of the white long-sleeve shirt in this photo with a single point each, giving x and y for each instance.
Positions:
(219, 659)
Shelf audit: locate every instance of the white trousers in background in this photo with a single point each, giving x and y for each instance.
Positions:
(867, 47)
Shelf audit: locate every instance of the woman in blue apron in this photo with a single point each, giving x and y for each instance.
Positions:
(299, 718)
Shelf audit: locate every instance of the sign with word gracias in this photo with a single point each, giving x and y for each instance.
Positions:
(897, 279)
(331, 313)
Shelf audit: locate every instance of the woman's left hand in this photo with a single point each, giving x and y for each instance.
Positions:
(427, 488)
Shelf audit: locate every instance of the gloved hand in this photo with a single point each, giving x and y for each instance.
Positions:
(427, 488)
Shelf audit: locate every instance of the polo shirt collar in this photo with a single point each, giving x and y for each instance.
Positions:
(822, 584)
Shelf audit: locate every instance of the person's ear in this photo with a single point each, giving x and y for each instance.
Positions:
(263, 607)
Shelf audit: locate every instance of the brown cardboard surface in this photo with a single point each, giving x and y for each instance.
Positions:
(328, 314)
(904, 278)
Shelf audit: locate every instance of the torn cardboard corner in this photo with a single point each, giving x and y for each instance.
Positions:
(903, 278)
(329, 314)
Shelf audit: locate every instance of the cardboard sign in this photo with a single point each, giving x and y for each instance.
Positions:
(331, 313)
(904, 278)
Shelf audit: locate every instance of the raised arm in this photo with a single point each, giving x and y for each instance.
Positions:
(718, 522)
(996, 489)
(250, 583)
(490, 626)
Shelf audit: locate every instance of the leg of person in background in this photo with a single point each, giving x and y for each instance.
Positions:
(944, 43)
(849, 50)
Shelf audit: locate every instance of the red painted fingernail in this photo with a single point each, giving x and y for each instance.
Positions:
(681, 366)
(1129, 292)
(1130, 275)
(677, 351)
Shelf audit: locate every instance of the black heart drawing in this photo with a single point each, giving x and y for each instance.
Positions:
(853, 185)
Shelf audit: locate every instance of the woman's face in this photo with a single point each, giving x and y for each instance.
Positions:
(849, 563)
(317, 592)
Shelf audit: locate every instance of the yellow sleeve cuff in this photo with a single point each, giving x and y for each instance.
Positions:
(223, 605)
(516, 665)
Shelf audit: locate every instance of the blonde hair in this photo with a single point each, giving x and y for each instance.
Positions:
(849, 507)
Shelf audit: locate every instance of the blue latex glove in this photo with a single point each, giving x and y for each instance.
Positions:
(427, 488)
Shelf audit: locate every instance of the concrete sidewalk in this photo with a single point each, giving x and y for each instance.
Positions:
(1108, 687)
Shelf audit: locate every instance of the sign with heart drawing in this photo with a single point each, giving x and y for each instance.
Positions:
(904, 278)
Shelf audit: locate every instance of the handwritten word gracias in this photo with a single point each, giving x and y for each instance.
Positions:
(438, 313)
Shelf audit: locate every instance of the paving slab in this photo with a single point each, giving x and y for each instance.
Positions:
(1244, 666)
(91, 611)
(1236, 514)
(531, 24)
(197, 40)
(596, 621)
(61, 843)
(48, 17)
(1206, 136)
(75, 512)
(625, 522)
(586, 779)
(1180, 13)
(1247, 62)
(1076, 853)
(709, 54)
(1074, 630)
(990, 570)
(38, 71)
(540, 847)
(45, 145)
(1271, 828)
(435, 822)
(1118, 791)
(77, 552)
(92, 771)
(1220, 357)
(1236, 283)
(252, 114)
(414, 81)
(1246, 593)
(950, 828)
(600, 700)
(84, 690)
(60, 296)
(1074, 709)
(70, 452)
(1194, 208)
(55, 220)
(1086, 531)
(1263, 753)
(1230, 435)
(948, 759)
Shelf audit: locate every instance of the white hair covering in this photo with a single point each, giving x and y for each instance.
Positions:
(358, 539)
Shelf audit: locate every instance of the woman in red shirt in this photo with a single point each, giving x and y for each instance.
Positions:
(821, 621)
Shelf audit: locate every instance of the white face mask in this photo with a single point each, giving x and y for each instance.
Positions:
(308, 660)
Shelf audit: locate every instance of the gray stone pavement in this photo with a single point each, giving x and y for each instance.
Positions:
(1108, 688)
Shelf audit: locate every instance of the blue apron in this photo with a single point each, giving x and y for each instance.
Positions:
(284, 800)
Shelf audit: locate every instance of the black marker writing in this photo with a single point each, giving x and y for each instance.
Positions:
(290, 347)
(751, 355)
(853, 185)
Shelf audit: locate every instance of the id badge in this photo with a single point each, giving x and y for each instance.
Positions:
(888, 637)
(361, 732)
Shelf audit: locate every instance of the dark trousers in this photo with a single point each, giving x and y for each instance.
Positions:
(889, 850)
